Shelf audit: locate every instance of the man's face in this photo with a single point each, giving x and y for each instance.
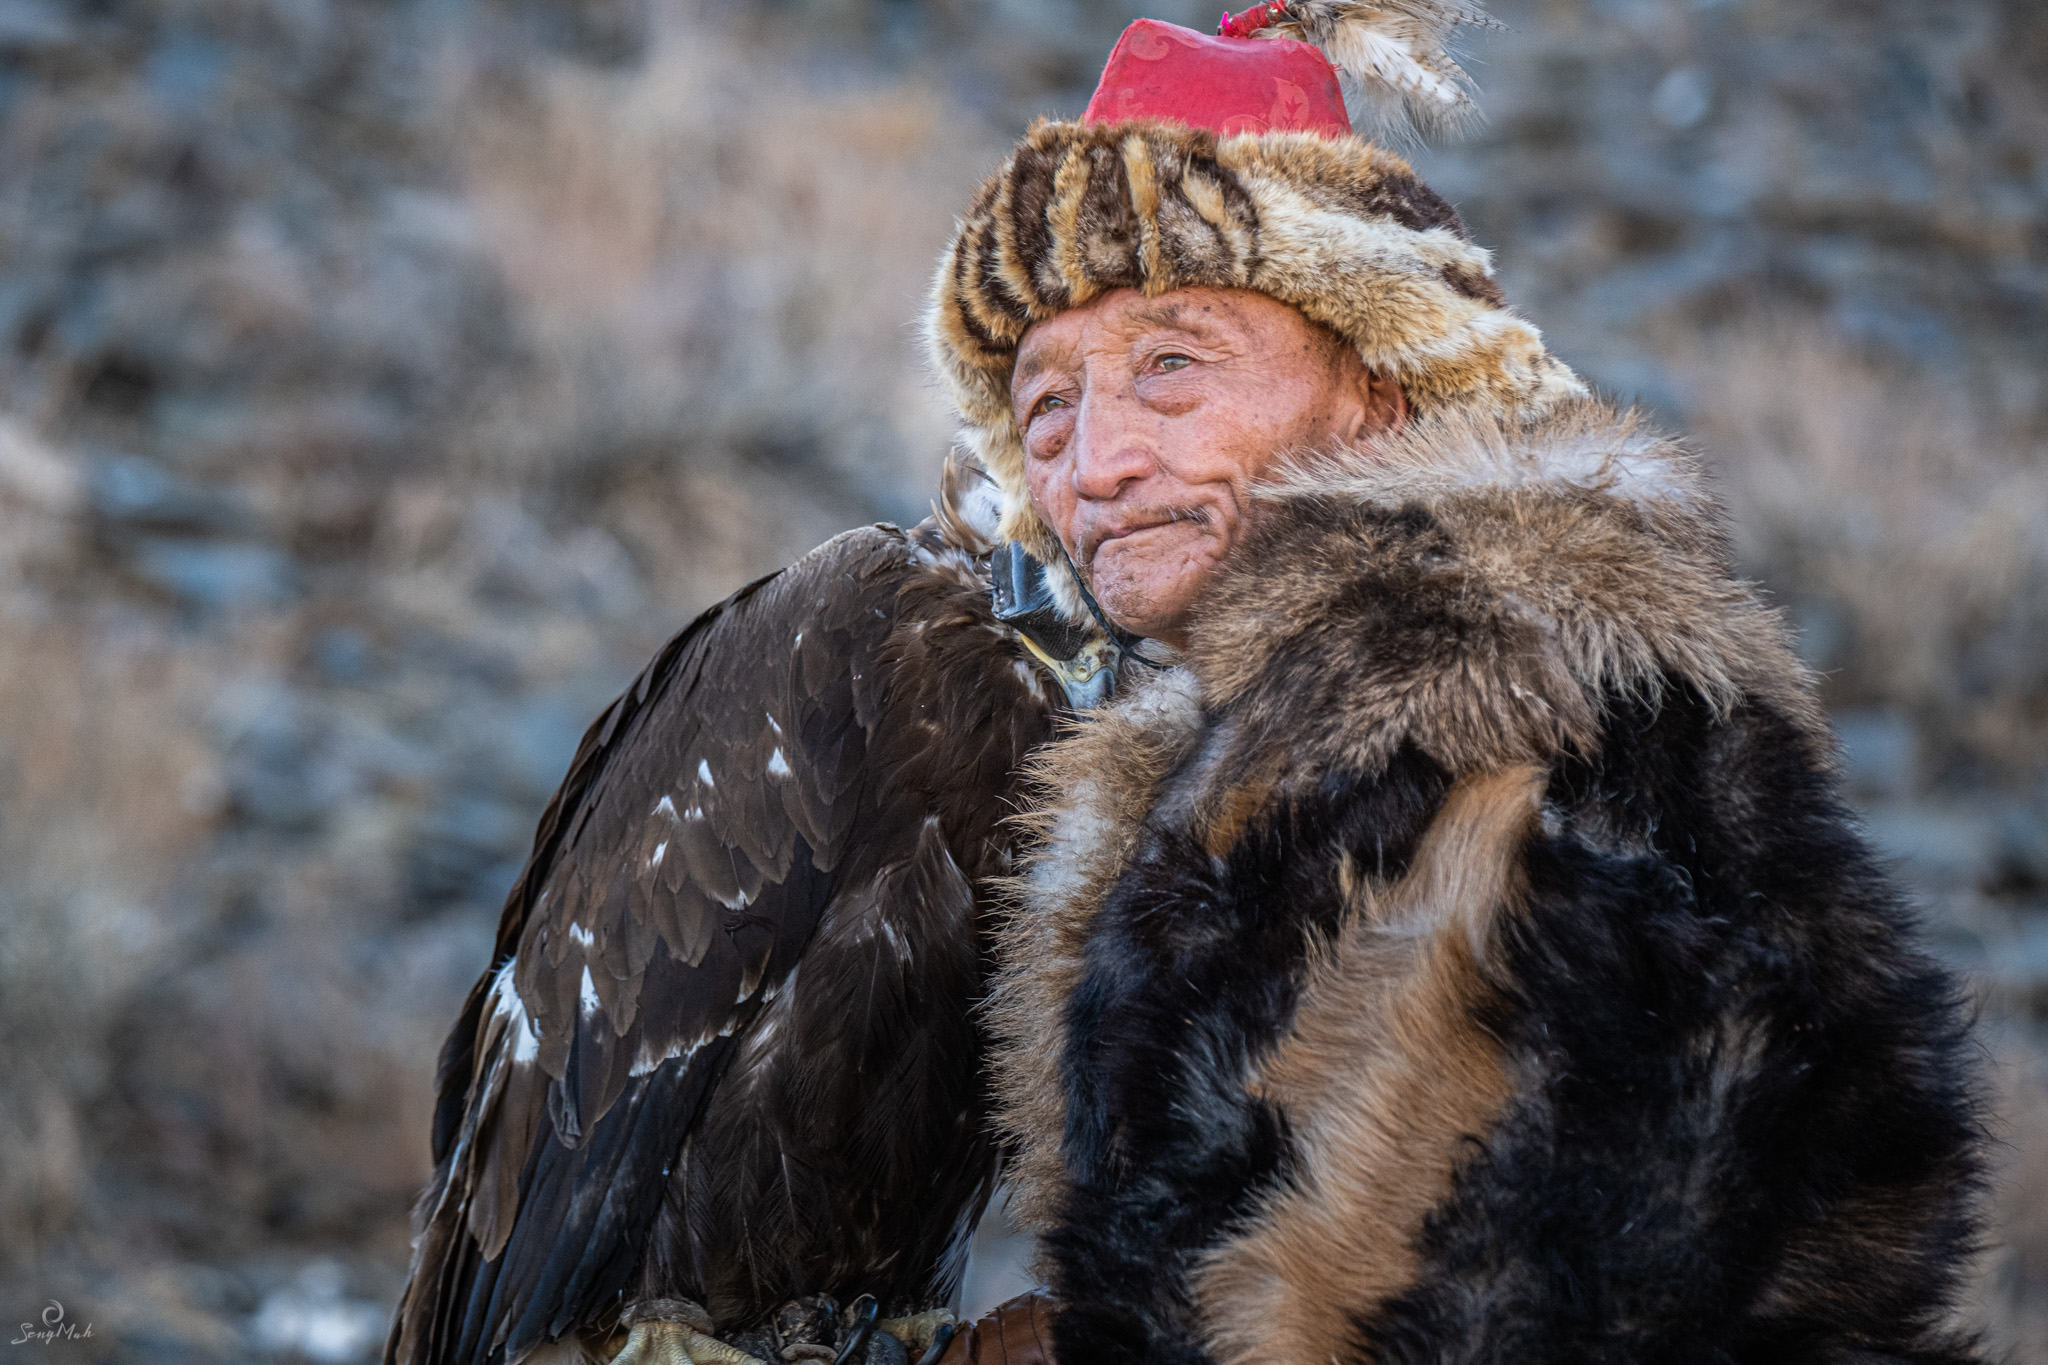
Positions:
(1146, 421)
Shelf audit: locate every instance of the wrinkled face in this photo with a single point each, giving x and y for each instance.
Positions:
(1146, 421)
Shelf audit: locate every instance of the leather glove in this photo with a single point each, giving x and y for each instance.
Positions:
(1015, 1333)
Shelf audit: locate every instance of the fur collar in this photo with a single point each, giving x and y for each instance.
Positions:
(1483, 590)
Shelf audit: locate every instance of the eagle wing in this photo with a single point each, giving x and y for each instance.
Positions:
(675, 879)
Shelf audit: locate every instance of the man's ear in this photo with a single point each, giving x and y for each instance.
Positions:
(1392, 400)
(1382, 406)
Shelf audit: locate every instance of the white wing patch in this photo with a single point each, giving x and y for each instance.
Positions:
(777, 1004)
(646, 1059)
(704, 772)
(778, 766)
(507, 1006)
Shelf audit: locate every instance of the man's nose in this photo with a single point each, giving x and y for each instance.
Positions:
(1112, 446)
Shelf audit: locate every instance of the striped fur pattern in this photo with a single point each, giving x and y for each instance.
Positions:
(1465, 955)
(1339, 228)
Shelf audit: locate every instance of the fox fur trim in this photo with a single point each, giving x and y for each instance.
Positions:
(1339, 228)
(1464, 953)
(1565, 561)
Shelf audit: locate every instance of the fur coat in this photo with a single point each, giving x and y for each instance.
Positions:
(1465, 954)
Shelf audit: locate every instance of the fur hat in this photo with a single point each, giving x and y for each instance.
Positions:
(1214, 161)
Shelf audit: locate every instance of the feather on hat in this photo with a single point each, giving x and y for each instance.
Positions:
(1394, 57)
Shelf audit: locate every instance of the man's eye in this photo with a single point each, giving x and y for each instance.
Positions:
(1045, 405)
(1175, 362)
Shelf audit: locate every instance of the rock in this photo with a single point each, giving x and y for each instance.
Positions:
(342, 655)
(129, 493)
(2019, 869)
(33, 26)
(34, 473)
(1684, 98)
(224, 575)
(1879, 751)
(1941, 846)
(315, 1318)
(467, 849)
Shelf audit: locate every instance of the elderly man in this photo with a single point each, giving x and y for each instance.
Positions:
(1447, 945)
(1461, 951)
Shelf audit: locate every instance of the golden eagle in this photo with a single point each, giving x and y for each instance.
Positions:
(726, 1050)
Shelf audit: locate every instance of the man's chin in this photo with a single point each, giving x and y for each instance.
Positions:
(1146, 581)
(1152, 605)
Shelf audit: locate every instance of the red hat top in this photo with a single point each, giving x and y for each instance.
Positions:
(1283, 66)
(1228, 84)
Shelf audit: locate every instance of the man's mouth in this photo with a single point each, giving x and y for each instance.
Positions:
(1147, 519)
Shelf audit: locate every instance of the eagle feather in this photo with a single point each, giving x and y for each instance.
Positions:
(1393, 57)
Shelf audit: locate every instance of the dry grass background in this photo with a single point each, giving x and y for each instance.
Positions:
(381, 380)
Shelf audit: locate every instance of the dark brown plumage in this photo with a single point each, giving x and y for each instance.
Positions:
(725, 1050)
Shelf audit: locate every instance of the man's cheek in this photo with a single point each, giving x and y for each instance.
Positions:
(1056, 512)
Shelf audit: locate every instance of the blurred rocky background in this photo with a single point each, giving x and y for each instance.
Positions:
(382, 380)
